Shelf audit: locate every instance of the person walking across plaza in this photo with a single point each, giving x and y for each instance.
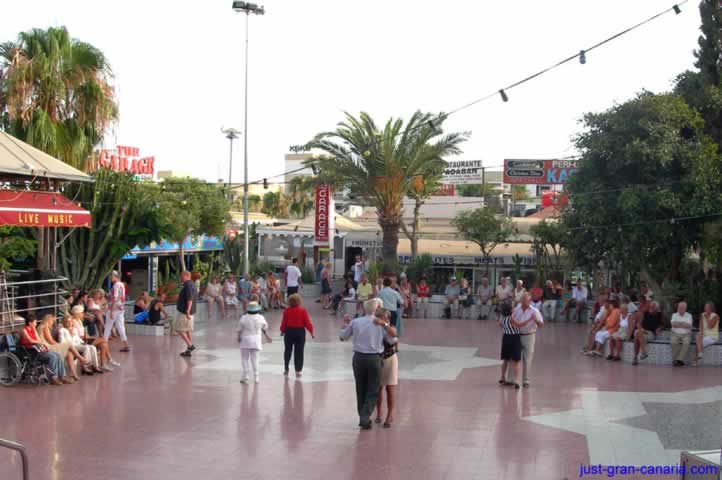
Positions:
(116, 311)
(293, 278)
(391, 300)
(186, 306)
(294, 324)
(252, 329)
(369, 334)
(527, 319)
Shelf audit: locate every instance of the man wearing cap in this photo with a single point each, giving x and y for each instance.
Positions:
(369, 334)
(116, 311)
(186, 307)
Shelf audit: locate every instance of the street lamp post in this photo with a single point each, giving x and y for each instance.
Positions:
(248, 9)
(231, 134)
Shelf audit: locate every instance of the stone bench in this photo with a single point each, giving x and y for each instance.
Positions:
(142, 329)
(660, 352)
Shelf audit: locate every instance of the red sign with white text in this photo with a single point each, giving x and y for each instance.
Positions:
(124, 159)
(538, 172)
(323, 224)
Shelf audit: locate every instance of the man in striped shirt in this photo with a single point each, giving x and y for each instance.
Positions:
(510, 346)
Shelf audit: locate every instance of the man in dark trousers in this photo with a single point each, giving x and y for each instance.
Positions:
(186, 306)
(369, 333)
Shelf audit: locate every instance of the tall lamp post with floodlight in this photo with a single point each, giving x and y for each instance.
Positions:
(231, 134)
(248, 9)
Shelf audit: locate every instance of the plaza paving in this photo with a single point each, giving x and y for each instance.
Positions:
(160, 416)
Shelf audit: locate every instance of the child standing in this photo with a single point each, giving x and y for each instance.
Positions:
(510, 346)
(250, 329)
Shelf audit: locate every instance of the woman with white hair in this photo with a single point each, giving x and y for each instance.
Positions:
(69, 333)
(708, 331)
(251, 328)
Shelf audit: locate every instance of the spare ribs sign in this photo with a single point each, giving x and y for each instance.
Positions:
(324, 220)
(538, 172)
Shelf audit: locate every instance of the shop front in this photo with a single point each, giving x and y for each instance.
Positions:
(143, 268)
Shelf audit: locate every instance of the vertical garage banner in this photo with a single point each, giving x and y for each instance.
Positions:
(324, 220)
(538, 172)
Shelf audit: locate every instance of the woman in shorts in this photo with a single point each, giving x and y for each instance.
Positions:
(622, 334)
(708, 331)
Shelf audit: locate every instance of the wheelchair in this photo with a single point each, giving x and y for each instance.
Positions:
(22, 365)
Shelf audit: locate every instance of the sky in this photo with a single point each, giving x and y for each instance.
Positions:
(178, 69)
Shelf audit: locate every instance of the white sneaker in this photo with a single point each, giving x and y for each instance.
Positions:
(106, 368)
(114, 363)
(258, 380)
(244, 380)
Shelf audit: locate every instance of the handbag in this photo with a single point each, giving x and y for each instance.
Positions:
(141, 317)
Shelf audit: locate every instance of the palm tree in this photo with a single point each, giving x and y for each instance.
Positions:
(382, 166)
(300, 197)
(55, 93)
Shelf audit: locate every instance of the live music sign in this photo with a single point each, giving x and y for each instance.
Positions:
(324, 218)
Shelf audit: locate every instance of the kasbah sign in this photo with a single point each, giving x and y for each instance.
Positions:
(124, 159)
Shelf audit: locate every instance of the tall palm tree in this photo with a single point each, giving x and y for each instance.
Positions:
(381, 166)
(55, 93)
(300, 197)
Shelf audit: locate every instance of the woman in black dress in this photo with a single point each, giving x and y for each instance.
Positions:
(510, 346)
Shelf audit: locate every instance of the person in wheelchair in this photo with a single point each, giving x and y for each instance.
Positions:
(38, 351)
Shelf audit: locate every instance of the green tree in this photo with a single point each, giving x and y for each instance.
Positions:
(275, 205)
(300, 196)
(424, 185)
(483, 227)
(124, 213)
(643, 164)
(188, 206)
(380, 166)
(14, 245)
(549, 237)
(55, 93)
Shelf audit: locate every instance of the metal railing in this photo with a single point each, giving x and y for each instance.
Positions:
(23, 455)
(10, 309)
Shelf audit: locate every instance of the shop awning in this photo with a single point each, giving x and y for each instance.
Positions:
(20, 158)
(41, 209)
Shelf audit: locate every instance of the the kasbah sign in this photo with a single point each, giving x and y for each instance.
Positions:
(124, 159)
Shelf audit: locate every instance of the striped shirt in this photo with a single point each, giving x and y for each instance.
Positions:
(507, 327)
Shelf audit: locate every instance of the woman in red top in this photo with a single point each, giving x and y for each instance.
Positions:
(293, 328)
(29, 339)
(423, 293)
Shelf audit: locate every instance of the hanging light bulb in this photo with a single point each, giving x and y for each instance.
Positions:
(503, 95)
(582, 57)
(676, 9)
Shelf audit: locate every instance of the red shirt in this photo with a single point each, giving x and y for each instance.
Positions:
(32, 333)
(536, 293)
(422, 291)
(296, 317)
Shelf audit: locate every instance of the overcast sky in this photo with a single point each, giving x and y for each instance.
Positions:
(179, 69)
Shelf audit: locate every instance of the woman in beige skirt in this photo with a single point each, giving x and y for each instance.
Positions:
(66, 350)
(389, 377)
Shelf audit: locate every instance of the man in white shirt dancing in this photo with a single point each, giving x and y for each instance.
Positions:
(293, 278)
(116, 311)
(527, 319)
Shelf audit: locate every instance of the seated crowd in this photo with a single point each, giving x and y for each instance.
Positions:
(72, 346)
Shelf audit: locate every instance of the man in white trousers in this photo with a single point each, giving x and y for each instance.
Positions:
(116, 311)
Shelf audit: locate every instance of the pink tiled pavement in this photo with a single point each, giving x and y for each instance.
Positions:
(159, 416)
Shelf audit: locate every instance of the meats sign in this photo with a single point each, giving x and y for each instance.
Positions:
(538, 172)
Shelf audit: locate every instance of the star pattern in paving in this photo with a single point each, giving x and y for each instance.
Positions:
(331, 361)
(682, 426)
(630, 428)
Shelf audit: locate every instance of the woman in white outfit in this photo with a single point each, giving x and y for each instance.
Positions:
(251, 330)
(623, 334)
(708, 331)
(69, 333)
(230, 294)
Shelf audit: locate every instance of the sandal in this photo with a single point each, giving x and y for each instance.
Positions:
(503, 382)
(125, 349)
(378, 420)
(517, 386)
(387, 423)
